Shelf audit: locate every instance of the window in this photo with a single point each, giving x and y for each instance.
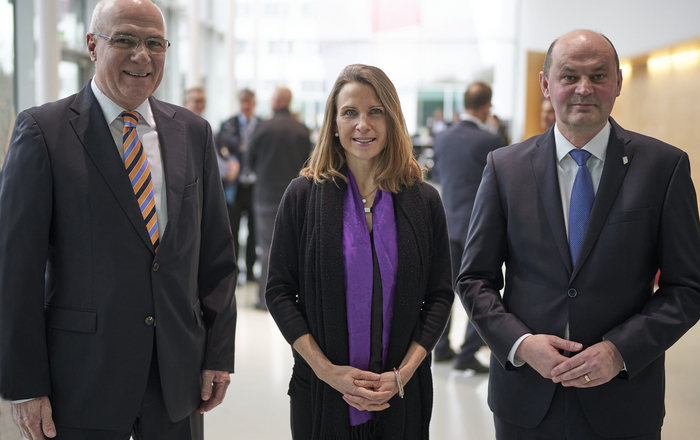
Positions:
(7, 77)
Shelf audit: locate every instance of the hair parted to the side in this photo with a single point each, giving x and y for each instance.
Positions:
(396, 166)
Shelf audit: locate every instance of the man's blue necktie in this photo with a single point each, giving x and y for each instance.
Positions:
(582, 197)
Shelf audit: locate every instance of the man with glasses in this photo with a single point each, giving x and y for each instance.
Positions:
(117, 307)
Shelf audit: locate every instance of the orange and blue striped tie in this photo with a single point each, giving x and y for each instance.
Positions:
(139, 173)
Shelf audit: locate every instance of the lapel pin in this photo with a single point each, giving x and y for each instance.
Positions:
(624, 160)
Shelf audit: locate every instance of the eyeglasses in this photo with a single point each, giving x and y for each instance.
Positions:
(128, 42)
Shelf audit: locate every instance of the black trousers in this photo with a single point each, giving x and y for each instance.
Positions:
(472, 339)
(564, 420)
(265, 214)
(244, 203)
(152, 422)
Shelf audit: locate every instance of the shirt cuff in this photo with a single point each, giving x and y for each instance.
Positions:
(22, 400)
(516, 361)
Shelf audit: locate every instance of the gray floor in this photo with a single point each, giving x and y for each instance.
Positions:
(257, 406)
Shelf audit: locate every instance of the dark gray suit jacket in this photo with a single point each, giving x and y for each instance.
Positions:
(644, 218)
(279, 149)
(78, 276)
(460, 157)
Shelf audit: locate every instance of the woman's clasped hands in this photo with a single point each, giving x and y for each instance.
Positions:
(364, 390)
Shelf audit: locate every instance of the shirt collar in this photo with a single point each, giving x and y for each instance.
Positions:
(112, 110)
(244, 120)
(597, 146)
(470, 118)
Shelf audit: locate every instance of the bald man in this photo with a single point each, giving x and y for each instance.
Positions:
(117, 284)
(583, 216)
(278, 150)
(196, 100)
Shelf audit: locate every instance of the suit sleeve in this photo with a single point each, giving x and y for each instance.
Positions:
(481, 278)
(675, 307)
(217, 268)
(25, 216)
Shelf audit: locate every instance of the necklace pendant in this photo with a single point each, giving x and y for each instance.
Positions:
(364, 200)
(367, 210)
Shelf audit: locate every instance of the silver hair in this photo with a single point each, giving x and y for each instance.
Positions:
(97, 12)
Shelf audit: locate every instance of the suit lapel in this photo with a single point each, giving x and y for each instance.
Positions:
(544, 166)
(91, 128)
(614, 173)
(173, 149)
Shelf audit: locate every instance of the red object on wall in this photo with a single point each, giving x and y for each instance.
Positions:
(393, 14)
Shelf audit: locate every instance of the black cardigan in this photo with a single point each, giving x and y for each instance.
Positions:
(306, 294)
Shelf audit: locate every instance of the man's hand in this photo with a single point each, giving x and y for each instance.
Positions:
(33, 416)
(541, 352)
(214, 385)
(594, 366)
(234, 167)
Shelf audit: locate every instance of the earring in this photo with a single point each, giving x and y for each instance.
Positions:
(336, 134)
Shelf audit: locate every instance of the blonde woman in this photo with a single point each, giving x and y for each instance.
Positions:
(359, 275)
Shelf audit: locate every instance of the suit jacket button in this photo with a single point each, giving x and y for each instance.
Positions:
(156, 266)
(572, 293)
(150, 320)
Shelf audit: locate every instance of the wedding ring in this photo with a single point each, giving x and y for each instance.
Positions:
(588, 379)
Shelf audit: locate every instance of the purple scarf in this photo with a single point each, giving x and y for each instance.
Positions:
(359, 271)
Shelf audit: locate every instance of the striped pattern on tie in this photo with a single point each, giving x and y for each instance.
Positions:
(136, 164)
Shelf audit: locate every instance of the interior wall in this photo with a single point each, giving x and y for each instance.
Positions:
(635, 27)
(533, 92)
(665, 102)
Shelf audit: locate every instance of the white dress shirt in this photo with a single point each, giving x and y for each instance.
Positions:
(148, 133)
(474, 119)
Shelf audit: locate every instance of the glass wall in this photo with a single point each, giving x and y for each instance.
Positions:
(7, 75)
(75, 68)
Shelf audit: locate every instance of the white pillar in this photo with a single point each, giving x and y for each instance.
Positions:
(25, 56)
(194, 73)
(232, 101)
(48, 51)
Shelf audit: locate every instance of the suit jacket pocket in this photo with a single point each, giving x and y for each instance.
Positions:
(633, 215)
(190, 189)
(75, 320)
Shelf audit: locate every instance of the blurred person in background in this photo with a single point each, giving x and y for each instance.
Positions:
(460, 157)
(547, 116)
(436, 123)
(196, 100)
(360, 281)
(232, 142)
(278, 150)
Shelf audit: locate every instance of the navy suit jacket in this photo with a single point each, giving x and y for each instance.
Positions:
(78, 276)
(460, 157)
(644, 218)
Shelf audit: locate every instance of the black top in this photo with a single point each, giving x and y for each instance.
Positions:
(377, 327)
(306, 295)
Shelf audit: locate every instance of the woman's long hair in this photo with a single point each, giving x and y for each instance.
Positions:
(396, 166)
